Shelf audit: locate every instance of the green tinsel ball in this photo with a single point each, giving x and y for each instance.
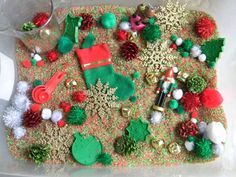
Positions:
(203, 148)
(187, 45)
(76, 116)
(105, 159)
(37, 82)
(136, 75)
(180, 109)
(133, 99)
(151, 33)
(108, 20)
(65, 45)
(173, 104)
(38, 153)
(196, 84)
(28, 26)
(125, 145)
(173, 38)
(33, 62)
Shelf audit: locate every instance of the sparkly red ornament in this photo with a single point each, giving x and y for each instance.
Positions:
(40, 63)
(40, 19)
(79, 96)
(65, 106)
(191, 102)
(173, 46)
(211, 98)
(61, 123)
(35, 107)
(205, 27)
(129, 50)
(52, 55)
(26, 63)
(122, 35)
(188, 128)
(31, 119)
(88, 21)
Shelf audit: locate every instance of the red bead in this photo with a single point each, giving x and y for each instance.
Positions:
(40, 63)
(35, 107)
(27, 63)
(211, 98)
(79, 96)
(61, 123)
(122, 35)
(52, 55)
(40, 19)
(65, 106)
(173, 46)
(205, 27)
(194, 114)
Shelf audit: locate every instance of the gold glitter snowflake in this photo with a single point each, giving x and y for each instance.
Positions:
(101, 99)
(157, 57)
(172, 17)
(59, 141)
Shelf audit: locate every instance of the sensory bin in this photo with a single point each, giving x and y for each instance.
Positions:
(134, 90)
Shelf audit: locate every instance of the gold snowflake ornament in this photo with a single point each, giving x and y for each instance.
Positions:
(101, 99)
(172, 17)
(158, 57)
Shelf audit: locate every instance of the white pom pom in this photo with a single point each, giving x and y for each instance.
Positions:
(179, 41)
(126, 26)
(177, 94)
(202, 57)
(218, 149)
(19, 132)
(12, 117)
(22, 87)
(193, 120)
(56, 116)
(156, 117)
(46, 113)
(175, 69)
(21, 102)
(37, 57)
(202, 127)
(189, 145)
(216, 132)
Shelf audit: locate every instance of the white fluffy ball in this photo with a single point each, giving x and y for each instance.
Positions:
(177, 94)
(22, 87)
(193, 120)
(216, 132)
(21, 102)
(46, 113)
(37, 57)
(202, 57)
(179, 41)
(218, 149)
(156, 117)
(195, 51)
(12, 117)
(202, 127)
(175, 69)
(56, 116)
(189, 145)
(126, 26)
(19, 132)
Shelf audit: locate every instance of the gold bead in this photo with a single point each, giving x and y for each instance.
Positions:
(71, 83)
(182, 76)
(174, 148)
(125, 111)
(158, 144)
(151, 78)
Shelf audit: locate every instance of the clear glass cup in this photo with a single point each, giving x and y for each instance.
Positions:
(14, 13)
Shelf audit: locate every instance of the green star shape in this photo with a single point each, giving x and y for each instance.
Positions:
(138, 130)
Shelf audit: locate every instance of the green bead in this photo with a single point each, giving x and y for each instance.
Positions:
(133, 99)
(173, 38)
(180, 109)
(185, 54)
(173, 104)
(37, 82)
(136, 75)
(65, 45)
(187, 45)
(33, 62)
(108, 20)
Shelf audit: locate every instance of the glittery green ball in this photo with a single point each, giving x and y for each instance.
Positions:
(173, 104)
(37, 82)
(203, 148)
(180, 109)
(108, 20)
(38, 153)
(196, 84)
(187, 45)
(65, 45)
(151, 33)
(136, 75)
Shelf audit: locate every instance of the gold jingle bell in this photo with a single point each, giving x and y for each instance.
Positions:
(71, 83)
(151, 78)
(182, 76)
(174, 148)
(158, 144)
(125, 111)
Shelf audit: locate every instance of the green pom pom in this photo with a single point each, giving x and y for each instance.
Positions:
(65, 45)
(125, 145)
(196, 84)
(38, 153)
(105, 159)
(203, 148)
(33, 62)
(180, 109)
(125, 19)
(191, 139)
(151, 33)
(89, 41)
(173, 38)
(37, 82)
(76, 116)
(187, 45)
(173, 104)
(136, 75)
(185, 54)
(175, 85)
(133, 99)
(108, 20)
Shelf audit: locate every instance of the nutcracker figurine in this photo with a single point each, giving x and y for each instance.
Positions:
(165, 88)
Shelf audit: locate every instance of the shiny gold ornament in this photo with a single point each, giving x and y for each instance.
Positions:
(174, 148)
(151, 78)
(133, 36)
(182, 76)
(158, 144)
(128, 111)
(71, 83)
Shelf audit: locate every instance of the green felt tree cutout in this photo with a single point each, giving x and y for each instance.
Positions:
(88, 150)
(212, 50)
(138, 130)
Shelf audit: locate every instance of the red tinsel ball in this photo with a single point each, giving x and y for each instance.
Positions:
(65, 106)
(129, 50)
(191, 102)
(122, 35)
(211, 98)
(188, 128)
(40, 19)
(52, 55)
(79, 96)
(88, 21)
(31, 119)
(205, 27)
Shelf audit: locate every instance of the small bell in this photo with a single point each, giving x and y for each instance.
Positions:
(125, 111)
(182, 76)
(174, 148)
(151, 78)
(71, 83)
(158, 144)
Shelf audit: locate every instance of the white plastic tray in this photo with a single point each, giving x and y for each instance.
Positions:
(224, 13)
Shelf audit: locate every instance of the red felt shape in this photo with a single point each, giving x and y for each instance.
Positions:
(211, 98)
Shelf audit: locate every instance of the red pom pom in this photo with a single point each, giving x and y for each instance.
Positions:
(173, 46)
(79, 96)
(122, 35)
(40, 19)
(65, 106)
(194, 114)
(188, 128)
(52, 55)
(191, 102)
(35, 107)
(26, 63)
(88, 21)
(129, 50)
(211, 98)
(61, 123)
(205, 27)
(40, 63)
